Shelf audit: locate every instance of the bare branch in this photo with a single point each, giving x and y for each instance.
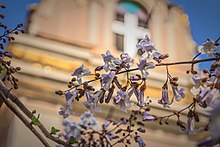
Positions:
(23, 119)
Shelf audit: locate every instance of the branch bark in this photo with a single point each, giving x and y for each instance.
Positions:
(28, 113)
(23, 119)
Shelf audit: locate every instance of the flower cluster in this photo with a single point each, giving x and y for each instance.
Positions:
(178, 93)
(135, 85)
(88, 133)
(146, 49)
(72, 129)
(206, 91)
(208, 47)
(207, 86)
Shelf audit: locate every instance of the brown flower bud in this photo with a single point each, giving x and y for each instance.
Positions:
(19, 25)
(205, 71)
(3, 6)
(73, 79)
(18, 68)
(2, 16)
(59, 92)
(204, 80)
(175, 79)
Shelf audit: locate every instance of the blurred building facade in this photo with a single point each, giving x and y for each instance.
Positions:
(62, 35)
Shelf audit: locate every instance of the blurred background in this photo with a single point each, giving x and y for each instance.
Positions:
(62, 35)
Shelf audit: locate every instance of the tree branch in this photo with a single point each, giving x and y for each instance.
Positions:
(28, 113)
(23, 119)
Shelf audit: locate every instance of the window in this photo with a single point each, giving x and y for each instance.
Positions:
(131, 23)
(119, 42)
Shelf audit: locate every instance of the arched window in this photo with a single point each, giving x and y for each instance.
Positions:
(130, 24)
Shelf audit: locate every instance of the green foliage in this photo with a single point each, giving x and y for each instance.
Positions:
(35, 120)
(72, 140)
(53, 131)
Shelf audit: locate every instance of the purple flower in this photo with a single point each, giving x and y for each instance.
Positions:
(106, 124)
(141, 95)
(208, 47)
(165, 101)
(156, 56)
(107, 80)
(64, 112)
(190, 126)
(110, 135)
(131, 90)
(115, 122)
(88, 120)
(70, 96)
(197, 80)
(147, 116)
(126, 60)
(124, 121)
(71, 129)
(80, 72)
(209, 96)
(92, 101)
(178, 93)
(122, 100)
(145, 45)
(144, 66)
(110, 61)
(141, 142)
(142, 130)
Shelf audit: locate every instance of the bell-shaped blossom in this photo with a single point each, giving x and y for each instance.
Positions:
(145, 45)
(190, 127)
(131, 90)
(197, 79)
(122, 100)
(140, 142)
(80, 72)
(165, 101)
(92, 101)
(156, 56)
(107, 79)
(209, 96)
(213, 97)
(70, 96)
(110, 61)
(64, 111)
(127, 61)
(178, 94)
(87, 119)
(208, 47)
(144, 66)
(140, 97)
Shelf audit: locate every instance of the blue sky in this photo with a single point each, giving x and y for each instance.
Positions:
(204, 16)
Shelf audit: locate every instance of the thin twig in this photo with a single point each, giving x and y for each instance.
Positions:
(159, 64)
(178, 112)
